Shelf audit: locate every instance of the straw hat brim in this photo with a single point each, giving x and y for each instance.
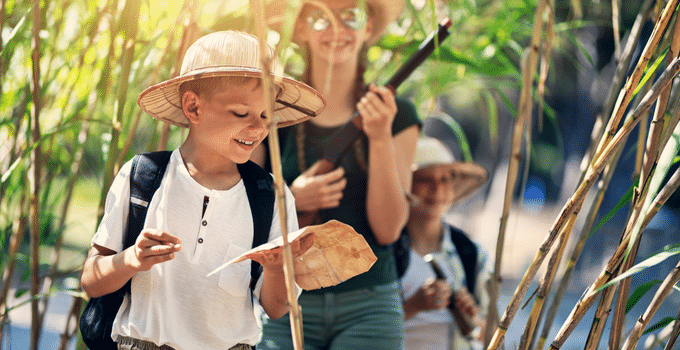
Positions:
(295, 102)
(383, 13)
(468, 177)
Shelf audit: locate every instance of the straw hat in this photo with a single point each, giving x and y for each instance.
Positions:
(382, 13)
(431, 153)
(236, 54)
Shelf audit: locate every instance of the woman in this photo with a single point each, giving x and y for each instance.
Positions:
(366, 191)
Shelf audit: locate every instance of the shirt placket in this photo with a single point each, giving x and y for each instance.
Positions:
(204, 226)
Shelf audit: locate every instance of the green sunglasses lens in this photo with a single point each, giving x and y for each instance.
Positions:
(318, 21)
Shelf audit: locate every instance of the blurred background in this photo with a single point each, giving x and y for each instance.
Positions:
(71, 71)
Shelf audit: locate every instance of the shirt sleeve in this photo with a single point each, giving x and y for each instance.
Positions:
(114, 222)
(275, 231)
(406, 116)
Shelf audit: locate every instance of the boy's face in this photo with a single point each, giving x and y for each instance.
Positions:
(434, 189)
(230, 122)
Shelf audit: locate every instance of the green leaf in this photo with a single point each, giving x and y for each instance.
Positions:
(14, 39)
(663, 323)
(649, 262)
(639, 293)
(458, 131)
(627, 197)
(651, 71)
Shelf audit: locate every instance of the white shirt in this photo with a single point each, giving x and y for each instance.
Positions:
(174, 303)
(431, 330)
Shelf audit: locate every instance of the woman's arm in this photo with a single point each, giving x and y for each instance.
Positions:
(389, 162)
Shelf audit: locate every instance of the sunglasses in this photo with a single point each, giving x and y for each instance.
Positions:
(352, 17)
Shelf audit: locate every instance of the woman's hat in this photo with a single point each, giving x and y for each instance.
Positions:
(229, 54)
(432, 153)
(382, 13)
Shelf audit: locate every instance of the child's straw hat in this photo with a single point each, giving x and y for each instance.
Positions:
(229, 53)
(432, 153)
(382, 13)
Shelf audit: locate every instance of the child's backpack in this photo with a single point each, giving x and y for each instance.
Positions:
(467, 250)
(146, 173)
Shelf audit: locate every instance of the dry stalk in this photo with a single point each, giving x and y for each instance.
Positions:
(587, 300)
(600, 318)
(636, 76)
(529, 63)
(545, 284)
(616, 20)
(661, 294)
(674, 333)
(279, 185)
(545, 62)
(576, 201)
(35, 177)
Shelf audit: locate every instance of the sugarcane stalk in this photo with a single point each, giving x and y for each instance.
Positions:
(600, 318)
(279, 185)
(628, 89)
(529, 62)
(661, 294)
(36, 174)
(575, 202)
(588, 298)
(672, 338)
(616, 22)
(545, 284)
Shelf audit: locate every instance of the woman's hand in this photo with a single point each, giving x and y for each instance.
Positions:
(377, 109)
(313, 192)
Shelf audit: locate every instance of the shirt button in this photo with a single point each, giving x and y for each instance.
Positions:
(204, 223)
(200, 240)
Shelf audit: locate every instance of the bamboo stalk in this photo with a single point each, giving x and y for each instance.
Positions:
(588, 298)
(672, 338)
(616, 21)
(529, 62)
(34, 179)
(634, 79)
(279, 185)
(575, 202)
(661, 294)
(545, 284)
(545, 61)
(600, 318)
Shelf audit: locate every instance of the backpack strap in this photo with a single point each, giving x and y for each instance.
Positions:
(468, 255)
(146, 174)
(260, 191)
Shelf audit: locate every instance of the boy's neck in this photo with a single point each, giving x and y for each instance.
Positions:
(425, 233)
(210, 171)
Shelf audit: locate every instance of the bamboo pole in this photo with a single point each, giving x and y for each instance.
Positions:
(545, 284)
(34, 179)
(279, 185)
(575, 202)
(672, 338)
(529, 62)
(634, 79)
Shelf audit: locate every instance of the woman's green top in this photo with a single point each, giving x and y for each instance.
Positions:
(352, 209)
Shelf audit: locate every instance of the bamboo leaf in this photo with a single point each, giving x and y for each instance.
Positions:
(651, 71)
(639, 293)
(649, 262)
(625, 199)
(13, 40)
(663, 323)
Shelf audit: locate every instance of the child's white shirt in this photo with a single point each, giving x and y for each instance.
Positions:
(174, 303)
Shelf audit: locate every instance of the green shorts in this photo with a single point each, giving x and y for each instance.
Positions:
(370, 318)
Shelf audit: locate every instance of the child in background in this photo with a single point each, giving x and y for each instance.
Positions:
(438, 183)
(199, 217)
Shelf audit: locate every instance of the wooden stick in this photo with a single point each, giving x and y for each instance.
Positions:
(279, 185)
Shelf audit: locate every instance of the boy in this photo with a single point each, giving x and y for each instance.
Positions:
(199, 217)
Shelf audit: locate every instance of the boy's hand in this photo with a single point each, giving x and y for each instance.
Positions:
(314, 192)
(434, 294)
(152, 247)
(465, 302)
(273, 258)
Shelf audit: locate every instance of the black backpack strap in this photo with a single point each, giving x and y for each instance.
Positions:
(468, 255)
(146, 174)
(260, 191)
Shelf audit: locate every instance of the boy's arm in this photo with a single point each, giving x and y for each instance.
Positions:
(106, 271)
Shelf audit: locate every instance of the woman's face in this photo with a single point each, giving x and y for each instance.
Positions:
(353, 29)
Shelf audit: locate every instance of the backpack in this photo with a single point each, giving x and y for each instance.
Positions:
(146, 173)
(465, 247)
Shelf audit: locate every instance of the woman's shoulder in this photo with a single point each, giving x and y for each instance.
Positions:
(407, 115)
